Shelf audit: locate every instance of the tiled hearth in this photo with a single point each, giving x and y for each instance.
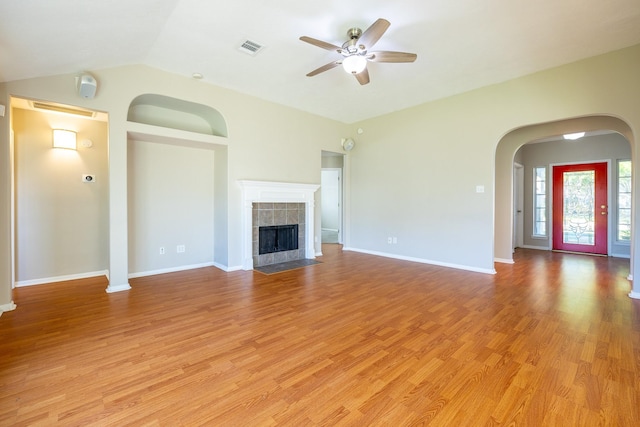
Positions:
(265, 214)
(287, 200)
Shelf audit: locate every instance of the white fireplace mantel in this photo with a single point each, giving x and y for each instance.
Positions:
(275, 192)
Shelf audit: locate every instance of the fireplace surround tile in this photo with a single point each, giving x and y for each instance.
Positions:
(268, 214)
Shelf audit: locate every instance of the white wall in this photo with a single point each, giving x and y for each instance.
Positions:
(61, 222)
(171, 203)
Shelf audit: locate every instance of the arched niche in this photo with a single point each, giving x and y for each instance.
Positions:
(173, 113)
(505, 152)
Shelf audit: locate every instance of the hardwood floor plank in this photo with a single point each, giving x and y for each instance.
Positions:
(355, 340)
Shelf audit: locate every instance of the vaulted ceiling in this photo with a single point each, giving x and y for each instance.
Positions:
(461, 45)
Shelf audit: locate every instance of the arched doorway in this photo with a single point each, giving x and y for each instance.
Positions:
(505, 156)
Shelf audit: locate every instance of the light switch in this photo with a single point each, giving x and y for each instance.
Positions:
(479, 188)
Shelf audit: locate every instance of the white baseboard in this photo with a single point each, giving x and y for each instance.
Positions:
(424, 261)
(117, 288)
(627, 256)
(225, 268)
(7, 307)
(504, 260)
(60, 278)
(538, 248)
(634, 295)
(172, 269)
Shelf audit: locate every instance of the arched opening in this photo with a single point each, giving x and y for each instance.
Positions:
(504, 177)
(173, 113)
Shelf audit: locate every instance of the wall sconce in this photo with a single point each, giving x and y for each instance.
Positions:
(64, 139)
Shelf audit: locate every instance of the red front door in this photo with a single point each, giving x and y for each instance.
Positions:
(580, 208)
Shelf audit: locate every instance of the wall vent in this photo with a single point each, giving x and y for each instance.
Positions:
(250, 47)
(57, 108)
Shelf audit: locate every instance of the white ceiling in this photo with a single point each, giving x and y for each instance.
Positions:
(461, 44)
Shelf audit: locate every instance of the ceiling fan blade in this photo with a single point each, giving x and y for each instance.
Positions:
(373, 33)
(385, 56)
(363, 77)
(324, 68)
(320, 43)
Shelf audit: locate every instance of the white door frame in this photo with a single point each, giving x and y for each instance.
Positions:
(340, 202)
(518, 206)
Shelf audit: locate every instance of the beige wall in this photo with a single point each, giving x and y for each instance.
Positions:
(6, 235)
(171, 202)
(413, 174)
(61, 222)
(266, 142)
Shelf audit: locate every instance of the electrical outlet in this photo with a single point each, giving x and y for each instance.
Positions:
(180, 249)
(395, 240)
(389, 240)
(161, 250)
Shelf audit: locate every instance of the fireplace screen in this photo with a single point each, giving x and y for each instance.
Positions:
(277, 238)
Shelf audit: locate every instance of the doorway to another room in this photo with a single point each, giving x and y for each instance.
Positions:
(331, 197)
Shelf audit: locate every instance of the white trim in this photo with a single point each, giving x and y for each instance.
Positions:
(634, 295)
(627, 256)
(117, 288)
(172, 270)
(630, 277)
(225, 268)
(340, 201)
(275, 192)
(7, 307)
(424, 261)
(319, 253)
(538, 248)
(504, 260)
(46, 280)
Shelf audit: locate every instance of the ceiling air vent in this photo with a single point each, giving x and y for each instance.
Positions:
(249, 47)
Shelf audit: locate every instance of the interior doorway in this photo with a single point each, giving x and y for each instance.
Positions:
(331, 193)
(60, 198)
(331, 184)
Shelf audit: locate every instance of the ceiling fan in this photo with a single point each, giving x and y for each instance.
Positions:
(355, 51)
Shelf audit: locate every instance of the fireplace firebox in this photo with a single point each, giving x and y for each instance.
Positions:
(277, 238)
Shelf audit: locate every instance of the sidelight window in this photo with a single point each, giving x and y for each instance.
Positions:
(624, 201)
(540, 202)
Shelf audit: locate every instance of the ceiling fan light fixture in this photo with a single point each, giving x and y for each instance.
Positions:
(354, 64)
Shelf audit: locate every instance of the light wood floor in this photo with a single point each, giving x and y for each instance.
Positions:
(358, 340)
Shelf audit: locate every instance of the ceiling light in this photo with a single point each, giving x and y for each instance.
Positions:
(354, 64)
(573, 136)
(64, 139)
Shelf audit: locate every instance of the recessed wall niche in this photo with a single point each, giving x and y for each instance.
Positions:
(173, 113)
